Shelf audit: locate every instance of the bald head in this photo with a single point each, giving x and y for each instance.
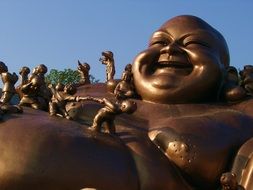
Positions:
(190, 23)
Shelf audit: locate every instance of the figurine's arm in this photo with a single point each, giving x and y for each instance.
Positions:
(52, 89)
(110, 105)
(89, 98)
(14, 77)
(25, 88)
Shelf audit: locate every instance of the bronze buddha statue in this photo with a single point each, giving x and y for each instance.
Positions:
(184, 134)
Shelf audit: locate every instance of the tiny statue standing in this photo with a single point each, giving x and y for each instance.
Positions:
(229, 182)
(125, 88)
(61, 95)
(106, 115)
(83, 69)
(108, 60)
(9, 81)
(247, 78)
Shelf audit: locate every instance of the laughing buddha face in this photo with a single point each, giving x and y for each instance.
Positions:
(185, 62)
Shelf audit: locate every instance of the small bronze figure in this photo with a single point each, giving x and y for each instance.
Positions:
(35, 93)
(108, 60)
(83, 69)
(247, 78)
(232, 89)
(9, 81)
(31, 94)
(125, 88)
(229, 182)
(106, 115)
(8, 109)
(24, 72)
(61, 95)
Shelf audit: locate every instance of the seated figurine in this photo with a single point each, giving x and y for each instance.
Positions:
(35, 93)
(183, 135)
(247, 78)
(9, 81)
(125, 88)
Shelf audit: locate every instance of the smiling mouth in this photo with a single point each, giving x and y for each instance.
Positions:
(172, 67)
(174, 64)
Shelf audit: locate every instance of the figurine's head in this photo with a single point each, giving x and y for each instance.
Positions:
(70, 89)
(106, 56)
(59, 86)
(41, 69)
(83, 66)
(126, 76)
(128, 67)
(3, 67)
(228, 181)
(185, 63)
(24, 71)
(128, 106)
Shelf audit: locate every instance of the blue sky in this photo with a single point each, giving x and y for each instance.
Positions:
(59, 32)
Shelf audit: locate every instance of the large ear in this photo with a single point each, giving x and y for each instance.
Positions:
(232, 91)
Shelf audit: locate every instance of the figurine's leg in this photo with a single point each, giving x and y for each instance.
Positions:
(97, 123)
(35, 106)
(66, 115)
(52, 108)
(6, 97)
(110, 127)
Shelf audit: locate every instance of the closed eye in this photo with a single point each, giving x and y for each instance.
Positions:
(196, 42)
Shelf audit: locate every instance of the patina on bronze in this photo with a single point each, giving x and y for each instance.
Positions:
(184, 134)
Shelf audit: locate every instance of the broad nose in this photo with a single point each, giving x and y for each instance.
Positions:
(171, 48)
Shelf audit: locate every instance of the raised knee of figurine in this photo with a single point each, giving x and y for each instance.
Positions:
(35, 106)
(6, 97)
(97, 123)
(110, 127)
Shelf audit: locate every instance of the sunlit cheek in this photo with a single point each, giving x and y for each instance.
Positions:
(146, 59)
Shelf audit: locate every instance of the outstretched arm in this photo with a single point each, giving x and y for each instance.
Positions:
(89, 98)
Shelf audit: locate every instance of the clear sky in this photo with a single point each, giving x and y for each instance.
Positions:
(59, 32)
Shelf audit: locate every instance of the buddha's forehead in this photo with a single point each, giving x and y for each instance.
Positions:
(186, 24)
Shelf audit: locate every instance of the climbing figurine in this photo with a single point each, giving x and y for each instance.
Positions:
(105, 116)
